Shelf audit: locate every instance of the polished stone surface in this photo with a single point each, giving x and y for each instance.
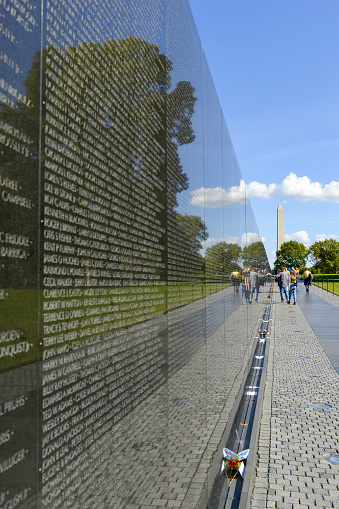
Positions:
(323, 318)
(123, 214)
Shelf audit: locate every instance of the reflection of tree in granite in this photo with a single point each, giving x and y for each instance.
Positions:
(111, 118)
(19, 169)
(254, 255)
(193, 232)
(222, 258)
(19, 178)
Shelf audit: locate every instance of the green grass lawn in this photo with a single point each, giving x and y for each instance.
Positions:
(330, 285)
(91, 312)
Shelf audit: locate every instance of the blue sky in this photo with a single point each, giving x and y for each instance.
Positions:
(275, 69)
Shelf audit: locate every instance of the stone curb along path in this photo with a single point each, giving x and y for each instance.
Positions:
(291, 470)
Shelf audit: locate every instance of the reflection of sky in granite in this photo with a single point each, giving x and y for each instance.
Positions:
(226, 176)
(211, 163)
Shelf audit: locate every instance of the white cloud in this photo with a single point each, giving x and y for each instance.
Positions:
(261, 190)
(298, 188)
(300, 236)
(301, 188)
(211, 241)
(322, 236)
(331, 192)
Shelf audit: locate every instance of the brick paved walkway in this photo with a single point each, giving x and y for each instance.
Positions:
(188, 436)
(291, 470)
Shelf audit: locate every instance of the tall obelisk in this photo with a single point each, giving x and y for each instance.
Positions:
(280, 226)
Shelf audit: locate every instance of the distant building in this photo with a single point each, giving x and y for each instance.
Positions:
(280, 227)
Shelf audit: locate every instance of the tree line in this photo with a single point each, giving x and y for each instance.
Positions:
(321, 257)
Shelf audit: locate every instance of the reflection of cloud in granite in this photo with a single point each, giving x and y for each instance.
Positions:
(214, 197)
(250, 237)
(211, 241)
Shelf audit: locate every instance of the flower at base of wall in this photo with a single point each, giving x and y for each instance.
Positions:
(232, 466)
(262, 333)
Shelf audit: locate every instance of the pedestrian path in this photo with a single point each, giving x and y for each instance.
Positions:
(323, 317)
(299, 421)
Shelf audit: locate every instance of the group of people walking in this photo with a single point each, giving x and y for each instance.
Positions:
(288, 283)
(287, 280)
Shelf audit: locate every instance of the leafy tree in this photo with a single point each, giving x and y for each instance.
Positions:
(324, 255)
(254, 255)
(223, 258)
(291, 254)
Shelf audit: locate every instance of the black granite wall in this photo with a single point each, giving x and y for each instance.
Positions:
(122, 209)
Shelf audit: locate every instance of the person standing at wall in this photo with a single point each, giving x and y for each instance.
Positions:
(245, 292)
(284, 283)
(245, 285)
(235, 279)
(246, 278)
(254, 284)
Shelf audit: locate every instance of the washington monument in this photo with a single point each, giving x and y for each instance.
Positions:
(280, 226)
